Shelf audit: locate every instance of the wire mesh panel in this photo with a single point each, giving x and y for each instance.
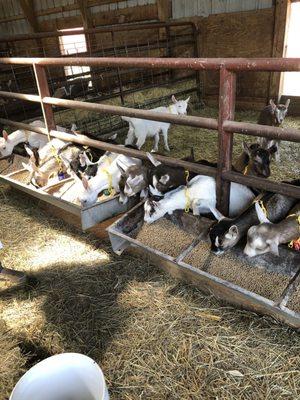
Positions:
(95, 84)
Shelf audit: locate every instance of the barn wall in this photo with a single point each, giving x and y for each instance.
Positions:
(227, 30)
(243, 34)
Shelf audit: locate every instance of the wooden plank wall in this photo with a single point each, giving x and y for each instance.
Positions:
(241, 34)
(238, 34)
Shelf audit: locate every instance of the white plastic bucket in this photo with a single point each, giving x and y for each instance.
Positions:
(67, 376)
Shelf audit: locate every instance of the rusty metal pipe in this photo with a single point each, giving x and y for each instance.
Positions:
(201, 122)
(233, 64)
(86, 141)
(270, 132)
(20, 96)
(123, 27)
(262, 183)
(209, 123)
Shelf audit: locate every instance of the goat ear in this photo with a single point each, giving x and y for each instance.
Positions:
(260, 214)
(273, 149)
(85, 183)
(287, 103)
(5, 135)
(188, 99)
(153, 159)
(29, 151)
(121, 169)
(246, 148)
(273, 246)
(113, 137)
(73, 127)
(233, 230)
(154, 191)
(173, 98)
(28, 167)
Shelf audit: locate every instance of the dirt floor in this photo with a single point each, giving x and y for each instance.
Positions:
(154, 337)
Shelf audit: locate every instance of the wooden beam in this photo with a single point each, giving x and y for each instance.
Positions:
(85, 14)
(281, 18)
(28, 11)
(163, 10)
(61, 9)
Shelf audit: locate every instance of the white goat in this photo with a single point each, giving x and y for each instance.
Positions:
(200, 196)
(37, 140)
(140, 129)
(108, 177)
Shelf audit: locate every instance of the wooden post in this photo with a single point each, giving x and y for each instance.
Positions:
(43, 88)
(91, 41)
(28, 11)
(281, 18)
(163, 13)
(225, 139)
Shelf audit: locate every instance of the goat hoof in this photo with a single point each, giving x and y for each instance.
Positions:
(154, 150)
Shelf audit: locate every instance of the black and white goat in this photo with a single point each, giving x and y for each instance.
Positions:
(226, 233)
(108, 177)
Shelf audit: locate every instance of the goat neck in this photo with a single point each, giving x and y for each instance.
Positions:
(17, 137)
(172, 109)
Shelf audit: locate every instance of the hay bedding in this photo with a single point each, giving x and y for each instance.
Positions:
(294, 301)
(153, 337)
(165, 236)
(232, 269)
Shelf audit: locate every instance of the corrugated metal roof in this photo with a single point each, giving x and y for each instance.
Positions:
(191, 8)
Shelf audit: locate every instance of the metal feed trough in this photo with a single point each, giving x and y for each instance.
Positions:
(123, 234)
(60, 195)
(225, 126)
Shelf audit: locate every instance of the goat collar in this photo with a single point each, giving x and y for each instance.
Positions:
(245, 172)
(109, 177)
(171, 109)
(260, 203)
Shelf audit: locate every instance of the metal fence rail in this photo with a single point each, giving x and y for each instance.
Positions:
(225, 125)
(155, 39)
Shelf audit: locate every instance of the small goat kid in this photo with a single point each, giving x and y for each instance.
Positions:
(273, 115)
(255, 160)
(200, 196)
(266, 237)
(141, 129)
(8, 142)
(37, 140)
(226, 233)
(107, 178)
(44, 162)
